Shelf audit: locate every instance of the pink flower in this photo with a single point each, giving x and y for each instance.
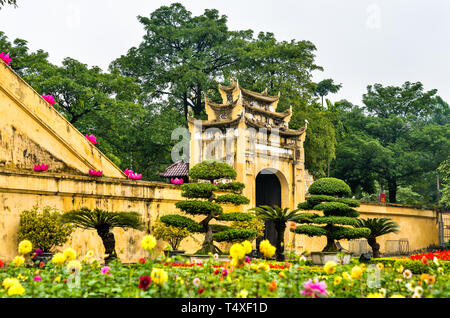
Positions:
(41, 167)
(37, 278)
(95, 173)
(196, 281)
(5, 58)
(128, 172)
(177, 181)
(315, 289)
(50, 99)
(92, 139)
(106, 270)
(224, 272)
(135, 176)
(248, 259)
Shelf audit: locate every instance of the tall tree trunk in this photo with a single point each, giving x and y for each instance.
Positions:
(372, 241)
(208, 245)
(280, 227)
(331, 246)
(392, 187)
(109, 243)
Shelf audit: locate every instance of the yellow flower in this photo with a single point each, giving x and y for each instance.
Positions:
(282, 275)
(375, 295)
(330, 267)
(89, 254)
(237, 251)
(346, 276)
(74, 267)
(9, 282)
(397, 296)
(16, 289)
(247, 246)
(58, 279)
(337, 280)
(179, 280)
(243, 294)
(363, 267)
(58, 259)
(400, 269)
(18, 260)
(70, 254)
(356, 272)
(159, 276)
(148, 242)
(380, 266)
(25, 247)
(21, 277)
(267, 249)
(253, 266)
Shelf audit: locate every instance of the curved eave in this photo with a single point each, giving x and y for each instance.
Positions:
(216, 106)
(260, 97)
(216, 123)
(267, 113)
(282, 132)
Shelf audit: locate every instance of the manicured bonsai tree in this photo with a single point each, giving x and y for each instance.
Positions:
(173, 235)
(339, 220)
(202, 200)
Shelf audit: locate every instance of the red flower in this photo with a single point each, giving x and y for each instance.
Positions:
(273, 285)
(41, 264)
(200, 291)
(142, 261)
(217, 271)
(1, 263)
(425, 260)
(144, 282)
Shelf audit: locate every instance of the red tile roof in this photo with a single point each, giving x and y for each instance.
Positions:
(178, 169)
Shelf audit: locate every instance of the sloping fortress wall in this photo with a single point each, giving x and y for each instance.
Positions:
(32, 132)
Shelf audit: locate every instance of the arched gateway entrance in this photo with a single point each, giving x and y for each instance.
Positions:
(268, 192)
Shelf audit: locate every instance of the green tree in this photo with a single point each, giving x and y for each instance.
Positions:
(444, 169)
(325, 87)
(280, 217)
(378, 227)
(328, 195)
(203, 201)
(181, 55)
(103, 222)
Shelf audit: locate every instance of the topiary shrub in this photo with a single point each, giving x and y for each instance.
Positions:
(173, 235)
(203, 201)
(42, 228)
(339, 220)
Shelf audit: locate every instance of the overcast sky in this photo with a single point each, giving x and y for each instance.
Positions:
(359, 42)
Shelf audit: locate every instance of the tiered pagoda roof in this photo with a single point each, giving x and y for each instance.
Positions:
(258, 110)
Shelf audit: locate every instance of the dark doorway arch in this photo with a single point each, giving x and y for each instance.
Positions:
(268, 192)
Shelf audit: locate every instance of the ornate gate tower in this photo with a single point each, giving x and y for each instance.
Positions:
(246, 132)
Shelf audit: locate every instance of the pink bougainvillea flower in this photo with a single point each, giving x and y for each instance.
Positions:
(5, 58)
(92, 139)
(315, 289)
(41, 167)
(128, 172)
(49, 99)
(95, 173)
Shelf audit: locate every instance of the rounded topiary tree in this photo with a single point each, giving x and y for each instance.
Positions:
(339, 220)
(202, 200)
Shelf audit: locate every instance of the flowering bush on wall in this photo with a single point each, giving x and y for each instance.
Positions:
(5, 58)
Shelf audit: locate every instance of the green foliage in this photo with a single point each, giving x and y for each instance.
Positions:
(235, 216)
(235, 235)
(196, 207)
(311, 230)
(336, 208)
(416, 267)
(101, 220)
(314, 200)
(350, 202)
(330, 186)
(182, 222)
(305, 218)
(211, 171)
(235, 187)
(336, 220)
(42, 228)
(379, 226)
(444, 169)
(198, 190)
(339, 233)
(173, 235)
(305, 206)
(325, 87)
(235, 199)
(253, 224)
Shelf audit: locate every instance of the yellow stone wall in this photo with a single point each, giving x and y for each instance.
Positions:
(21, 191)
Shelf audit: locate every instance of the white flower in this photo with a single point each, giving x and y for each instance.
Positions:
(302, 259)
(418, 290)
(416, 295)
(216, 256)
(410, 287)
(383, 292)
(435, 260)
(407, 274)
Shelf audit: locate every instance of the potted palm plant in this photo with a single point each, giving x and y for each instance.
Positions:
(103, 222)
(378, 227)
